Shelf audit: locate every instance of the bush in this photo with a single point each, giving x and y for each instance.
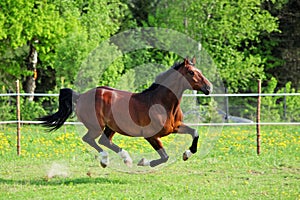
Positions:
(272, 107)
(8, 108)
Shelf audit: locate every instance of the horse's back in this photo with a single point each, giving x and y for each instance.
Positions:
(94, 107)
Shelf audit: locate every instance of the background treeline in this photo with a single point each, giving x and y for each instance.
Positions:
(44, 43)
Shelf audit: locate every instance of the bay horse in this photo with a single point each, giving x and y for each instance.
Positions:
(152, 113)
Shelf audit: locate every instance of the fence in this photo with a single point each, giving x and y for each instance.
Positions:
(184, 96)
(257, 123)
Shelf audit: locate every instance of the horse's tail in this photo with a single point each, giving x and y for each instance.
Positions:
(67, 100)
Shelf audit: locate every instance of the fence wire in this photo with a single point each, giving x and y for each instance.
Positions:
(233, 109)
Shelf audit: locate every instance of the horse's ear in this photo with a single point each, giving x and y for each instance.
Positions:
(186, 61)
(194, 60)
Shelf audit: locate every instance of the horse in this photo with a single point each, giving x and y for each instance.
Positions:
(152, 114)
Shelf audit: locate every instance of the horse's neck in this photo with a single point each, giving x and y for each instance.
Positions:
(172, 81)
(167, 89)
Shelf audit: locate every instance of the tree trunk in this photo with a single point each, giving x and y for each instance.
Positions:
(30, 84)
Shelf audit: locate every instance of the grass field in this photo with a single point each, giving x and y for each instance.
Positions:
(59, 166)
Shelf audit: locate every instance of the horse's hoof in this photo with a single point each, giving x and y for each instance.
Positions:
(103, 164)
(128, 163)
(104, 159)
(186, 155)
(143, 162)
(125, 156)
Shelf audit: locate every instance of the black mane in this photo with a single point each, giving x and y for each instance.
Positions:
(177, 65)
(152, 87)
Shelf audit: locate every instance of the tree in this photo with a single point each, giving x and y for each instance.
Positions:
(287, 47)
(57, 34)
(141, 10)
(94, 22)
(28, 28)
(228, 30)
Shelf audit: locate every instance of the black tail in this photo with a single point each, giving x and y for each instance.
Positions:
(67, 98)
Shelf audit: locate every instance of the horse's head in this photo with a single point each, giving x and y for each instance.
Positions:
(195, 77)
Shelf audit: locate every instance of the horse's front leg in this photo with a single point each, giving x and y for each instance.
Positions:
(157, 145)
(106, 140)
(193, 148)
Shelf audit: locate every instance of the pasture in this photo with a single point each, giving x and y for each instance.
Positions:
(59, 165)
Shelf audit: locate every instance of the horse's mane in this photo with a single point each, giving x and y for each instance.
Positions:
(162, 76)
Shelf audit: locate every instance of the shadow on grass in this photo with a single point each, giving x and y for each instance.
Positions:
(62, 181)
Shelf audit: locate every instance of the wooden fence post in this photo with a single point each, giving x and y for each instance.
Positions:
(258, 119)
(18, 120)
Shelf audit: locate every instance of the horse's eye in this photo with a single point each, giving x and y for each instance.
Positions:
(191, 73)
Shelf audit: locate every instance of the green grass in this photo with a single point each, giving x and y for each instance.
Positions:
(231, 170)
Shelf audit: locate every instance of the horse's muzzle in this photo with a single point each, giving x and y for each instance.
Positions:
(207, 89)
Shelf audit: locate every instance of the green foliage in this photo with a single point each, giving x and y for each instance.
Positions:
(71, 38)
(127, 80)
(8, 109)
(112, 73)
(206, 112)
(210, 113)
(292, 104)
(270, 110)
(70, 53)
(103, 66)
(228, 30)
(272, 107)
(63, 33)
(142, 66)
(98, 21)
(31, 110)
(27, 22)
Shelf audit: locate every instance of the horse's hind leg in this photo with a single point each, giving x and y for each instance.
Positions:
(106, 140)
(89, 138)
(193, 148)
(157, 145)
